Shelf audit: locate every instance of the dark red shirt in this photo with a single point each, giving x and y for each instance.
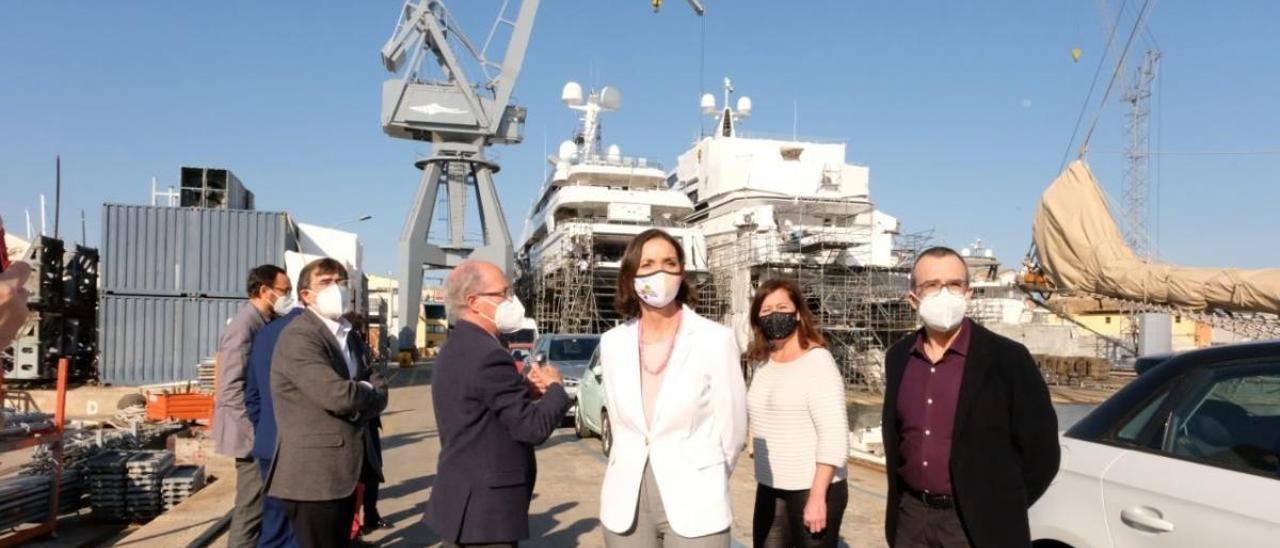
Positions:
(927, 402)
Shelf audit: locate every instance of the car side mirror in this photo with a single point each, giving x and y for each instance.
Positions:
(540, 358)
(598, 371)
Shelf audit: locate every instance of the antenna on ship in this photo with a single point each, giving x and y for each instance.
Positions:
(609, 99)
(726, 125)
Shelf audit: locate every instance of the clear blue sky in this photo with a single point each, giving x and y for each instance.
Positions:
(962, 112)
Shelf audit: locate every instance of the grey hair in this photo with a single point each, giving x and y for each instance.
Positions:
(939, 252)
(464, 281)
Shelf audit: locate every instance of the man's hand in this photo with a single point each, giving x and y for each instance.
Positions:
(531, 382)
(543, 376)
(13, 301)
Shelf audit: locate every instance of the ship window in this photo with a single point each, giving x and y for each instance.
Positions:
(693, 196)
(1108, 319)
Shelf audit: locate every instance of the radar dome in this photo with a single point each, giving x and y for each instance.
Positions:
(567, 150)
(615, 153)
(610, 98)
(744, 106)
(708, 103)
(572, 94)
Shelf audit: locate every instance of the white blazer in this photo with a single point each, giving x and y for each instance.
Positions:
(700, 426)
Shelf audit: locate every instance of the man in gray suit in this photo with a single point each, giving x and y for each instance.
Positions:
(322, 410)
(269, 289)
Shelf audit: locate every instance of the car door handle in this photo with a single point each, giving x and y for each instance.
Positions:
(1147, 519)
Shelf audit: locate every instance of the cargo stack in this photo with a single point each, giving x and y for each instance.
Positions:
(180, 484)
(173, 276)
(107, 485)
(144, 476)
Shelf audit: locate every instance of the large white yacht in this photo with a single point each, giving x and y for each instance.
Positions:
(591, 205)
(786, 207)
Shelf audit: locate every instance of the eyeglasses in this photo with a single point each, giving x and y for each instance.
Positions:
(933, 287)
(326, 282)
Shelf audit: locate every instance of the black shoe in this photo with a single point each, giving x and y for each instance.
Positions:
(374, 526)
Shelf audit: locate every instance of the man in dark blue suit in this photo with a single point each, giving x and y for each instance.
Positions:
(257, 400)
(487, 418)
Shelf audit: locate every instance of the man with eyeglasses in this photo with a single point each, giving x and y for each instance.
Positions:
(269, 292)
(970, 434)
(323, 396)
(486, 415)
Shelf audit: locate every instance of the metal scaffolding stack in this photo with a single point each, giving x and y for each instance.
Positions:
(107, 485)
(127, 484)
(144, 473)
(180, 484)
(861, 309)
(25, 499)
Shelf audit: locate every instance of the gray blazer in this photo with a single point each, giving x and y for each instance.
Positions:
(232, 431)
(321, 414)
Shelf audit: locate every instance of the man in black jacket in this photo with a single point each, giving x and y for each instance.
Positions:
(970, 434)
(488, 421)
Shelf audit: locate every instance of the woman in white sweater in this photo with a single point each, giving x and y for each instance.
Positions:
(799, 424)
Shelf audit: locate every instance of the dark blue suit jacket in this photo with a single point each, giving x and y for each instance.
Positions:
(488, 427)
(257, 388)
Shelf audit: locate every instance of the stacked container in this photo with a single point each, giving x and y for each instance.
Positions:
(171, 278)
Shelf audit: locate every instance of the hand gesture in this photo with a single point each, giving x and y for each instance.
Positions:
(532, 382)
(815, 513)
(13, 301)
(543, 376)
(549, 375)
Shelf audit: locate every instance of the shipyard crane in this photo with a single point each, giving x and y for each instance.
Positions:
(461, 118)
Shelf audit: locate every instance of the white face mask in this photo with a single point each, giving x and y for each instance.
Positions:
(943, 311)
(658, 289)
(508, 316)
(283, 305)
(333, 302)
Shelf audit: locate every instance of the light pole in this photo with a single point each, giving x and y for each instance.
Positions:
(359, 219)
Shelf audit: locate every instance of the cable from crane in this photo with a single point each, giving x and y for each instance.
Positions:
(1137, 26)
(702, 68)
(1089, 96)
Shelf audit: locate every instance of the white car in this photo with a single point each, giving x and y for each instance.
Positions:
(1187, 455)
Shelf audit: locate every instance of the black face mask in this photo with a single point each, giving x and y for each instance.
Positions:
(778, 326)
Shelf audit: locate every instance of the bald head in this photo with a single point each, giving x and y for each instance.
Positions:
(472, 291)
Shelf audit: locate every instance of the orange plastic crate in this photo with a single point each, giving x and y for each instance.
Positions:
(183, 407)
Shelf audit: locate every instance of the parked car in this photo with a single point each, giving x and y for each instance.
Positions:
(1186, 455)
(592, 419)
(569, 354)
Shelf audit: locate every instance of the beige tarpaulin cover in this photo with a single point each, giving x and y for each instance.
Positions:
(1081, 248)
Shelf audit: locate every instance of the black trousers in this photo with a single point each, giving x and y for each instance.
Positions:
(371, 515)
(779, 518)
(321, 524)
(920, 526)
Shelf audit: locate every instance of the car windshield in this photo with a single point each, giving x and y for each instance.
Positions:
(571, 349)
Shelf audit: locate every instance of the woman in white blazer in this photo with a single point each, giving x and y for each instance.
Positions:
(677, 406)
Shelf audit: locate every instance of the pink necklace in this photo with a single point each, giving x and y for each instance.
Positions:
(670, 346)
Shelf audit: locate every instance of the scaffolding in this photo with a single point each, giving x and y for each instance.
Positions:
(573, 286)
(861, 308)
